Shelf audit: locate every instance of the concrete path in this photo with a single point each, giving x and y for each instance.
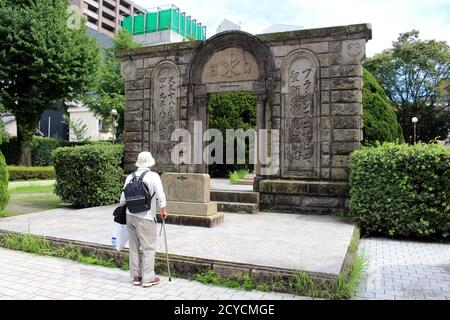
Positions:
(400, 270)
(299, 242)
(31, 277)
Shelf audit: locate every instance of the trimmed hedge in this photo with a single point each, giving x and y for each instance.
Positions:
(4, 193)
(31, 173)
(41, 149)
(401, 190)
(89, 176)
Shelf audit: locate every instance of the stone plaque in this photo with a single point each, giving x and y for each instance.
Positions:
(165, 111)
(231, 64)
(187, 187)
(299, 114)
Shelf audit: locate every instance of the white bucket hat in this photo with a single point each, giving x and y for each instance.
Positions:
(145, 160)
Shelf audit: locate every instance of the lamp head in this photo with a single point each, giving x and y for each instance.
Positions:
(414, 120)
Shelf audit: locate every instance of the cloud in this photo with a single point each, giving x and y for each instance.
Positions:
(388, 17)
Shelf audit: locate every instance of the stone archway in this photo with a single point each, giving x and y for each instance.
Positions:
(230, 61)
(308, 87)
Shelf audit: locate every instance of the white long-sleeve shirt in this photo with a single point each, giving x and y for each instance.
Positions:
(153, 181)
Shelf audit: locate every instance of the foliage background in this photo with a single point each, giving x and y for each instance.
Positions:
(414, 73)
(231, 110)
(43, 61)
(380, 120)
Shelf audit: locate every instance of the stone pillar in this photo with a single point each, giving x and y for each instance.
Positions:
(133, 73)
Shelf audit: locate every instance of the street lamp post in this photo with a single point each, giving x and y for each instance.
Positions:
(113, 114)
(414, 121)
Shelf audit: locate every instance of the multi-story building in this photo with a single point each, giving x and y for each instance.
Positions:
(104, 16)
(163, 24)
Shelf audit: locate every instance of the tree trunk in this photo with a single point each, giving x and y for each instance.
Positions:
(25, 154)
(26, 127)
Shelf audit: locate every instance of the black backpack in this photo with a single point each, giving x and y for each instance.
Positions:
(137, 194)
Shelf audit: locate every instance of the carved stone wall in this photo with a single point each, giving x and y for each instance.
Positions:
(307, 83)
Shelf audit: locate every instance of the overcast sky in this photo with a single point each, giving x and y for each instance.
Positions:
(388, 17)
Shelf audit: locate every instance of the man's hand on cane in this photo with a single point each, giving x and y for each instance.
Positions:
(163, 213)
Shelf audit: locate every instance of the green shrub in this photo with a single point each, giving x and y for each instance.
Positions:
(31, 173)
(235, 176)
(401, 190)
(11, 151)
(41, 150)
(4, 193)
(90, 175)
(380, 120)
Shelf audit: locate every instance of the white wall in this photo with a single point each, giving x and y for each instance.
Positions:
(11, 128)
(92, 123)
(160, 37)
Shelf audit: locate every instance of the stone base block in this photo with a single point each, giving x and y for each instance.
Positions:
(192, 208)
(198, 221)
(303, 196)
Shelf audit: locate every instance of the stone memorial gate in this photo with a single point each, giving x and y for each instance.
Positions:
(308, 88)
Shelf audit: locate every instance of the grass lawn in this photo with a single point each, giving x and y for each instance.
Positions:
(31, 187)
(30, 197)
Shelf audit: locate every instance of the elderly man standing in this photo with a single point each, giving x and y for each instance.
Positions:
(142, 226)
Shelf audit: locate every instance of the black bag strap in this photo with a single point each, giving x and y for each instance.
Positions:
(143, 175)
(142, 179)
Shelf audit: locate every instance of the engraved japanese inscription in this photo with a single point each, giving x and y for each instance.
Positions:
(299, 114)
(165, 115)
(230, 64)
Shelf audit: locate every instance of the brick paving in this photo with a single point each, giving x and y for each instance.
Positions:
(399, 270)
(395, 270)
(30, 277)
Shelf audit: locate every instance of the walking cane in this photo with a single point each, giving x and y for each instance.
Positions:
(163, 227)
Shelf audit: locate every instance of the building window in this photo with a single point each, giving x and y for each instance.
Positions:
(103, 126)
(108, 27)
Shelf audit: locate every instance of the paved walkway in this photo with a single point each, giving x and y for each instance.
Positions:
(299, 242)
(400, 270)
(26, 276)
(396, 270)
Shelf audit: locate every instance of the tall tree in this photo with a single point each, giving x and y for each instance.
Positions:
(109, 91)
(45, 57)
(380, 120)
(412, 73)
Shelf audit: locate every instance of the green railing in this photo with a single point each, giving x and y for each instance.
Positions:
(165, 19)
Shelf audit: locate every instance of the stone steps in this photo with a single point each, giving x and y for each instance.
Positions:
(236, 201)
(246, 182)
(237, 207)
(234, 196)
